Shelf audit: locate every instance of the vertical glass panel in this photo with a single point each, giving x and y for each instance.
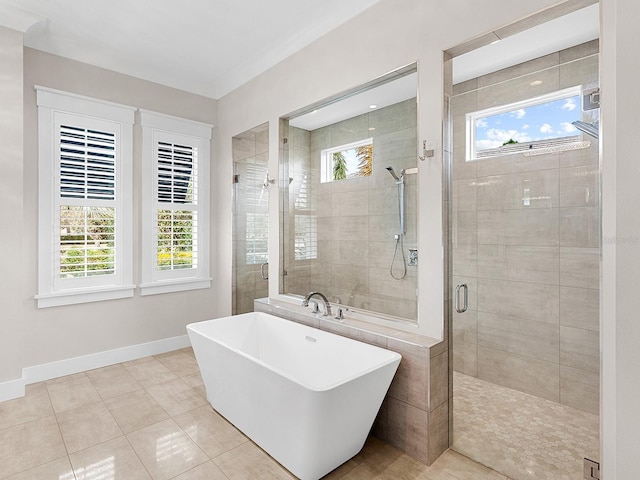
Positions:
(348, 165)
(250, 217)
(524, 243)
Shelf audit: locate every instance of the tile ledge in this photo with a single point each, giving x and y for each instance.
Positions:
(413, 339)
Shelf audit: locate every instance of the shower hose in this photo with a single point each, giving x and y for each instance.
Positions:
(400, 244)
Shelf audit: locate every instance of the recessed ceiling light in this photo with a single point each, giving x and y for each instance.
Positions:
(371, 129)
(535, 83)
(373, 105)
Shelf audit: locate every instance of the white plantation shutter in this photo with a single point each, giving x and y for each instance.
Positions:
(176, 212)
(257, 216)
(306, 237)
(84, 199)
(175, 190)
(87, 163)
(305, 222)
(87, 204)
(87, 241)
(177, 173)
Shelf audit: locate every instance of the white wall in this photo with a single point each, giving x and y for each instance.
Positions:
(11, 166)
(620, 317)
(391, 34)
(30, 336)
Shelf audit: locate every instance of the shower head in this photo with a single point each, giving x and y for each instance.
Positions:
(588, 128)
(393, 173)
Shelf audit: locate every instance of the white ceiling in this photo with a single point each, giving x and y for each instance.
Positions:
(378, 97)
(563, 32)
(211, 47)
(208, 47)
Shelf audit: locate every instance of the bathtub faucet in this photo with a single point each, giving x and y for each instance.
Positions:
(327, 307)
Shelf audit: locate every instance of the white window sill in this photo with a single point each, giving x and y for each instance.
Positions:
(177, 285)
(84, 295)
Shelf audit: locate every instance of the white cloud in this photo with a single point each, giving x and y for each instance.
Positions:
(482, 123)
(569, 104)
(520, 113)
(526, 127)
(546, 128)
(567, 127)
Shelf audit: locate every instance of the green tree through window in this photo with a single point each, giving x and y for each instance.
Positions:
(339, 166)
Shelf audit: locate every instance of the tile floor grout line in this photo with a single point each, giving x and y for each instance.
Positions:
(376, 452)
(64, 444)
(135, 452)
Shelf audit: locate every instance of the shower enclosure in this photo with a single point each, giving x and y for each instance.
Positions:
(524, 249)
(250, 217)
(347, 224)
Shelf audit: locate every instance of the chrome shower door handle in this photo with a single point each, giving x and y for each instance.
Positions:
(265, 276)
(465, 298)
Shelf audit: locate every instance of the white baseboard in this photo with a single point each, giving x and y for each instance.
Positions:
(39, 373)
(11, 389)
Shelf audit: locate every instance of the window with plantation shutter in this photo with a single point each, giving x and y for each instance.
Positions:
(305, 220)
(85, 163)
(256, 202)
(175, 205)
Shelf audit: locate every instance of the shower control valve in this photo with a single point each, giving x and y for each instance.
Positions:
(413, 257)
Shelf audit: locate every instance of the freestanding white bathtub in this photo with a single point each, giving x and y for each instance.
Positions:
(307, 397)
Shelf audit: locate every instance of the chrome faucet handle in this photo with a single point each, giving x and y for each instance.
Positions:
(314, 307)
(340, 314)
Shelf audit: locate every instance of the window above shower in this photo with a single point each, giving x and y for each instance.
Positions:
(538, 125)
(347, 161)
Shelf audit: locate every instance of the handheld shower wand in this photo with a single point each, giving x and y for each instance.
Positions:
(400, 183)
(399, 237)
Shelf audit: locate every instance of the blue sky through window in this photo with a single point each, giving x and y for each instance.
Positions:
(351, 157)
(551, 119)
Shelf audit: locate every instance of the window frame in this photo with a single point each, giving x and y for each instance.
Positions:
(157, 126)
(471, 118)
(326, 157)
(53, 106)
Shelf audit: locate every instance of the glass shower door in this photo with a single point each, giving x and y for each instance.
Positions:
(524, 260)
(250, 218)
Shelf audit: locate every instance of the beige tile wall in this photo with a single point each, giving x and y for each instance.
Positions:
(533, 271)
(356, 218)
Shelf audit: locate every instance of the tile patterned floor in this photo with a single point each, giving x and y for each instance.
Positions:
(522, 436)
(149, 419)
